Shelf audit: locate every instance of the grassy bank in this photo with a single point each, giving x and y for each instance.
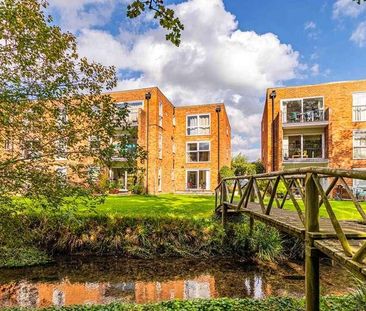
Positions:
(347, 303)
(142, 237)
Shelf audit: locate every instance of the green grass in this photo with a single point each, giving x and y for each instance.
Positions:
(343, 209)
(168, 205)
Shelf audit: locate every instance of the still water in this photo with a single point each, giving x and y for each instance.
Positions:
(106, 280)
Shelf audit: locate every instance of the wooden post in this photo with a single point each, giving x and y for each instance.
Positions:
(311, 253)
(223, 206)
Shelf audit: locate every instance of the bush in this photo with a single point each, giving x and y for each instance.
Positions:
(271, 304)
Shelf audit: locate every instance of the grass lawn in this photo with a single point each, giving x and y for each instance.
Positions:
(197, 206)
(184, 206)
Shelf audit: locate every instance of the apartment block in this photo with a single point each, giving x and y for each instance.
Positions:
(186, 145)
(320, 125)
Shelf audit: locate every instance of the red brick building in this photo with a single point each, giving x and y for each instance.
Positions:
(315, 125)
(186, 145)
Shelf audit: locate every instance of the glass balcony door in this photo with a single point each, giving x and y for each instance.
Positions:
(303, 110)
(303, 147)
(198, 180)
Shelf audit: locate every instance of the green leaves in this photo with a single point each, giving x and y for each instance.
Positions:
(164, 15)
(48, 95)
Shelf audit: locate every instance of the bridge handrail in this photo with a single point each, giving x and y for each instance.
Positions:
(295, 182)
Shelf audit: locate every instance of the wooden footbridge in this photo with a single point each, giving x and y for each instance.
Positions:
(262, 197)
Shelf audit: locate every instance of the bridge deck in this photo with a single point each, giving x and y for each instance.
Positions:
(326, 239)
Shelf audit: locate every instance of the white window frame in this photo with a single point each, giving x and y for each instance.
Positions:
(354, 106)
(197, 151)
(208, 177)
(198, 124)
(161, 114)
(8, 145)
(62, 170)
(355, 182)
(160, 179)
(134, 111)
(284, 108)
(174, 120)
(58, 156)
(160, 145)
(302, 145)
(353, 143)
(174, 148)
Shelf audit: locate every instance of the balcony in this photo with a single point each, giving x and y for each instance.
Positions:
(316, 118)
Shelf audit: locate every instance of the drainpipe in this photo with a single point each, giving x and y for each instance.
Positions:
(218, 110)
(147, 97)
(273, 96)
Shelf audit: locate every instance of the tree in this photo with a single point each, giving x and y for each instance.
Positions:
(241, 165)
(52, 107)
(164, 15)
(259, 167)
(226, 171)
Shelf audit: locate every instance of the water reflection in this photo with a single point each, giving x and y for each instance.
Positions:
(105, 281)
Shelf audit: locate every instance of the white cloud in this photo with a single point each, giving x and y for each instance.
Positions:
(347, 8)
(78, 14)
(359, 35)
(315, 69)
(215, 62)
(309, 25)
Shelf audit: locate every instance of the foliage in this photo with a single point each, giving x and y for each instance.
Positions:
(164, 15)
(345, 303)
(360, 294)
(52, 108)
(226, 171)
(22, 256)
(241, 166)
(259, 167)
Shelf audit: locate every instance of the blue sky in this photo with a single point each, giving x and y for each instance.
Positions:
(231, 51)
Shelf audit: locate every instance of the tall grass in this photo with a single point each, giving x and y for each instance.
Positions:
(147, 237)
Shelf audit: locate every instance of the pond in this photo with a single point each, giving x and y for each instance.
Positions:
(105, 280)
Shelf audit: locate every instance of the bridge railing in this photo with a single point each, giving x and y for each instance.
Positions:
(305, 188)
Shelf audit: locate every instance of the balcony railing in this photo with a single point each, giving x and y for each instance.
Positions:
(307, 155)
(304, 117)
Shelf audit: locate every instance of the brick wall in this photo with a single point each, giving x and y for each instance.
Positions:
(338, 134)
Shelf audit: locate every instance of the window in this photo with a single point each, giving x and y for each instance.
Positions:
(174, 148)
(174, 121)
(8, 145)
(62, 116)
(160, 146)
(303, 147)
(161, 114)
(198, 124)
(61, 172)
(31, 149)
(93, 173)
(359, 185)
(359, 144)
(198, 180)
(133, 110)
(159, 179)
(303, 110)
(61, 149)
(94, 143)
(198, 151)
(359, 107)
